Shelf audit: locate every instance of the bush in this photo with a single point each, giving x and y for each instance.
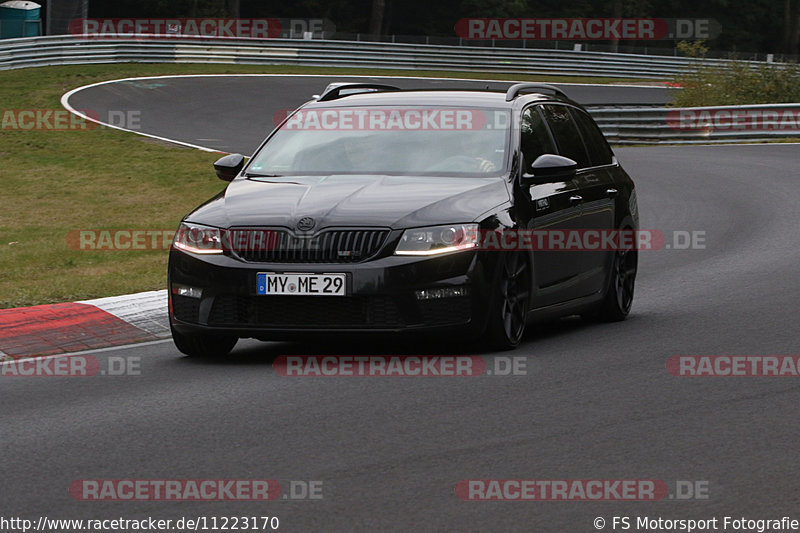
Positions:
(738, 84)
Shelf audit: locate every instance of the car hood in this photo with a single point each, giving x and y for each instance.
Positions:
(353, 200)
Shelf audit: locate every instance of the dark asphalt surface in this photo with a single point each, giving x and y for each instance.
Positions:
(597, 401)
(193, 109)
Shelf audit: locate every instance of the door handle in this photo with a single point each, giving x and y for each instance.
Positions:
(612, 193)
(575, 199)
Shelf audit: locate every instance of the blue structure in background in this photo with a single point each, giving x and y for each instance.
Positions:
(20, 18)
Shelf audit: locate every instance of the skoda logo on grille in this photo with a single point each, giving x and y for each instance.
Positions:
(305, 223)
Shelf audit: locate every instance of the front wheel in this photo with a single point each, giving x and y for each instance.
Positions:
(509, 311)
(203, 344)
(619, 295)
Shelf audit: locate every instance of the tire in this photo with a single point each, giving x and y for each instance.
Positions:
(619, 295)
(508, 312)
(204, 345)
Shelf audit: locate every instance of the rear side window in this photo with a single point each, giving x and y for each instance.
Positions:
(534, 137)
(565, 131)
(599, 151)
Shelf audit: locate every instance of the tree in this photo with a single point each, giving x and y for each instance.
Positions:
(791, 27)
(376, 18)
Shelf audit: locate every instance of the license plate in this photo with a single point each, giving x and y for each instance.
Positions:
(301, 284)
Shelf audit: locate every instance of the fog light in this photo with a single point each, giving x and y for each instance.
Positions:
(445, 292)
(184, 290)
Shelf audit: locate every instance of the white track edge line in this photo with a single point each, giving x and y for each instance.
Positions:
(68, 107)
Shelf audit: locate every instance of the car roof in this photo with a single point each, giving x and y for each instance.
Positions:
(434, 97)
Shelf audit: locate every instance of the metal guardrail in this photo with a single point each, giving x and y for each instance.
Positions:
(71, 50)
(697, 125)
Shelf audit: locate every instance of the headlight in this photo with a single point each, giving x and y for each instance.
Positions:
(438, 240)
(197, 239)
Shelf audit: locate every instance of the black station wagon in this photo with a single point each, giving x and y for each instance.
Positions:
(377, 210)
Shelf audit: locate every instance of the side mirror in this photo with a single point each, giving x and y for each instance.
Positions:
(228, 167)
(549, 168)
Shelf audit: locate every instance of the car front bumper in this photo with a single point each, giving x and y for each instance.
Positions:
(381, 296)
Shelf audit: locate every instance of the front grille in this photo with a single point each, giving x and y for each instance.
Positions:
(305, 311)
(328, 246)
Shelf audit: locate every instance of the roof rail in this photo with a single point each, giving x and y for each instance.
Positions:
(334, 90)
(517, 88)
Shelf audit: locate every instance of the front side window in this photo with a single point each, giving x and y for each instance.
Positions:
(379, 140)
(534, 138)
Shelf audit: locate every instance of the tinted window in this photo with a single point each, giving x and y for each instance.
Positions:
(599, 151)
(568, 139)
(534, 136)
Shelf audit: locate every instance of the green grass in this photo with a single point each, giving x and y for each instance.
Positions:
(54, 182)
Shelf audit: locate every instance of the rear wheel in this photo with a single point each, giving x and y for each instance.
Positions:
(204, 344)
(619, 296)
(509, 312)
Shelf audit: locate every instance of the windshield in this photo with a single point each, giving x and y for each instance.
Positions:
(379, 140)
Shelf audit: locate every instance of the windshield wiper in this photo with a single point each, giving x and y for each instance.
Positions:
(249, 175)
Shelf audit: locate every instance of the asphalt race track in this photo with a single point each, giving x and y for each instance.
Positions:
(596, 403)
(191, 108)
